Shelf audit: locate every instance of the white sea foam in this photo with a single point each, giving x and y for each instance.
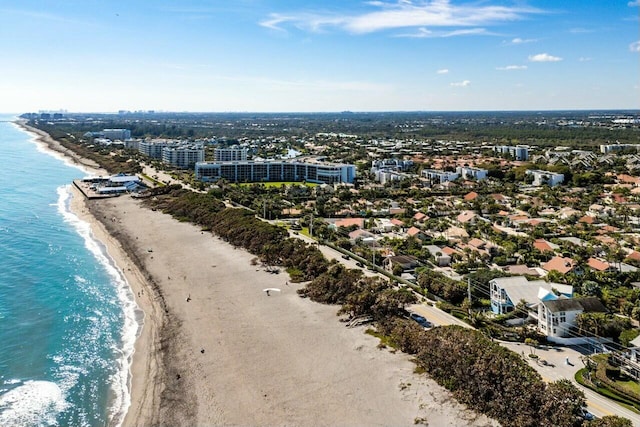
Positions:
(120, 380)
(43, 148)
(32, 403)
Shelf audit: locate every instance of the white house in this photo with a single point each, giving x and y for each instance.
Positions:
(435, 176)
(467, 172)
(556, 317)
(441, 258)
(541, 177)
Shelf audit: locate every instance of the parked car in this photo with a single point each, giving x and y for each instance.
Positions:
(345, 256)
(586, 415)
(420, 320)
(359, 264)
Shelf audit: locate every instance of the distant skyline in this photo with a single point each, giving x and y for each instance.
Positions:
(318, 56)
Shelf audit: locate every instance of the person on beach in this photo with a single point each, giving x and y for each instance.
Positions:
(267, 291)
(188, 297)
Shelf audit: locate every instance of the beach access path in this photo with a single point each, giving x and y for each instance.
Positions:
(217, 350)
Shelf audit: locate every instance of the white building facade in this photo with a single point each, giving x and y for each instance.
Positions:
(285, 171)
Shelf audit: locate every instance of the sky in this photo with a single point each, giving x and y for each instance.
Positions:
(318, 56)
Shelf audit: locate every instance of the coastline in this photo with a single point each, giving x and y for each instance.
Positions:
(230, 355)
(141, 364)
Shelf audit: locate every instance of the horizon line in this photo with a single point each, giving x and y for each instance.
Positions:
(152, 111)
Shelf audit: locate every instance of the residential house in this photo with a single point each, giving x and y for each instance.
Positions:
(466, 217)
(556, 317)
(406, 262)
(441, 258)
(420, 217)
(599, 265)
(349, 222)
(363, 236)
(543, 246)
(417, 233)
(560, 264)
(507, 292)
(469, 197)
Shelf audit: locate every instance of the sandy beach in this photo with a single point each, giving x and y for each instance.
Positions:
(215, 349)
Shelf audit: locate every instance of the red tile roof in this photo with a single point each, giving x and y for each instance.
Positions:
(348, 222)
(419, 216)
(413, 231)
(560, 264)
(598, 265)
(470, 196)
(587, 219)
(397, 222)
(542, 245)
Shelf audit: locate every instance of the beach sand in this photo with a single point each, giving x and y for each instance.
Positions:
(233, 355)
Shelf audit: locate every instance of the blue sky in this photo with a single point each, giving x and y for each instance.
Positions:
(330, 55)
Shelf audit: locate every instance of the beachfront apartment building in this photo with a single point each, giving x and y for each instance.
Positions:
(153, 148)
(112, 134)
(231, 154)
(116, 134)
(518, 152)
(468, 172)
(275, 170)
(183, 156)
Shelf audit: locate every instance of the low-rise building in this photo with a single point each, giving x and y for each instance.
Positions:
(507, 292)
(434, 176)
(467, 172)
(541, 177)
(557, 317)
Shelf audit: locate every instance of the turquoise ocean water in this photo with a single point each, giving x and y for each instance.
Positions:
(68, 320)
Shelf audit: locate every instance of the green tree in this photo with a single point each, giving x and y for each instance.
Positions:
(609, 421)
(562, 405)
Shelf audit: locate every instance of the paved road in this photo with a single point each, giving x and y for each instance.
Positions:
(555, 357)
(331, 253)
(556, 367)
(164, 177)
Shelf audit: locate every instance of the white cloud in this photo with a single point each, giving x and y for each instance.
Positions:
(634, 3)
(544, 57)
(580, 30)
(518, 40)
(425, 33)
(585, 59)
(512, 67)
(463, 83)
(443, 71)
(389, 15)
(635, 46)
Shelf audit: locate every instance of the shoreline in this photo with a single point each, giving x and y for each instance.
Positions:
(140, 363)
(215, 350)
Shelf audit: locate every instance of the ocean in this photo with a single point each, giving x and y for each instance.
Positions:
(68, 319)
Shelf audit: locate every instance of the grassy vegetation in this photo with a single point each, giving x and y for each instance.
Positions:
(155, 181)
(581, 378)
(278, 184)
(385, 340)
